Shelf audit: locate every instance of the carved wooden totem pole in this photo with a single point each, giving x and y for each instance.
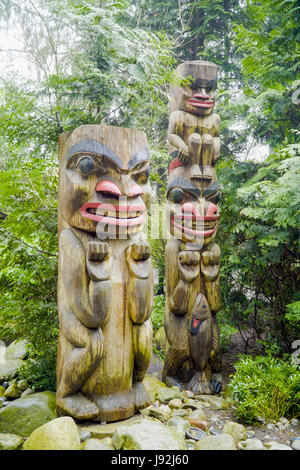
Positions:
(193, 359)
(105, 285)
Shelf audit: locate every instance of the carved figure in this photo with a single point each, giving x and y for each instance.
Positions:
(193, 298)
(105, 285)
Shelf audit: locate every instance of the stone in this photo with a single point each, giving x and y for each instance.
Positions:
(161, 412)
(218, 403)
(100, 431)
(5, 385)
(199, 413)
(175, 403)
(236, 430)
(24, 415)
(181, 413)
(22, 385)
(250, 444)
(222, 442)
(152, 385)
(2, 390)
(159, 339)
(84, 434)
(195, 433)
(273, 445)
(27, 392)
(192, 404)
(58, 434)
(16, 350)
(296, 444)
(198, 423)
(147, 435)
(12, 391)
(215, 431)
(188, 394)
(98, 444)
(9, 368)
(10, 441)
(294, 422)
(181, 425)
(165, 394)
(1, 404)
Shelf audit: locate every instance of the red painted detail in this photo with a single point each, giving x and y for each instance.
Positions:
(174, 164)
(196, 233)
(117, 210)
(108, 187)
(212, 212)
(195, 322)
(135, 190)
(200, 102)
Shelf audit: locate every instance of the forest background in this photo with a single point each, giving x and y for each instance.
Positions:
(112, 62)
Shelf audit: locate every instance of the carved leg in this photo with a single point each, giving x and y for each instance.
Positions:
(88, 347)
(173, 362)
(142, 347)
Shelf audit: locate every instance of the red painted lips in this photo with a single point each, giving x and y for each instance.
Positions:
(208, 223)
(113, 214)
(200, 103)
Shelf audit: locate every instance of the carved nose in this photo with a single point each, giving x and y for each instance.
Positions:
(202, 95)
(212, 210)
(109, 188)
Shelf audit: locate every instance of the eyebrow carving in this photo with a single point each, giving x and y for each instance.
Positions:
(184, 184)
(141, 156)
(94, 147)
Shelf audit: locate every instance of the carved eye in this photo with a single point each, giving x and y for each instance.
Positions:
(176, 195)
(215, 198)
(86, 165)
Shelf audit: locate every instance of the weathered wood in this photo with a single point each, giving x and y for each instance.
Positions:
(105, 284)
(193, 359)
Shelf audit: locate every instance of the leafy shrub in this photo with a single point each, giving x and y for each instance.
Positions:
(158, 312)
(265, 388)
(226, 332)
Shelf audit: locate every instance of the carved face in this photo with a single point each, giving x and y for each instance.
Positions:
(198, 97)
(104, 179)
(192, 216)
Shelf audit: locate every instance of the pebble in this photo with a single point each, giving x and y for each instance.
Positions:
(84, 434)
(215, 431)
(198, 423)
(250, 444)
(296, 444)
(176, 403)
(195, 433)
(273, 445)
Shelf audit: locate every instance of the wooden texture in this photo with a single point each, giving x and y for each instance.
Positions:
(105, 284)
(193, 359)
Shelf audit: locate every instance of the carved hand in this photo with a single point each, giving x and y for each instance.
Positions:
(210, 263)
(188, 263)
(98, 260)
(137, 256)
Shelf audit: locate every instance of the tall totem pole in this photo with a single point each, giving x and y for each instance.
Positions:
(105, 284)
(193, 359)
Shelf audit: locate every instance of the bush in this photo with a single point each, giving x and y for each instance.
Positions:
(158, 312)
(265, 388)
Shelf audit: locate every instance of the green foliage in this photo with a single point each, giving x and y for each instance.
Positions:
(265, 388)
(226, 332)
(158, 312)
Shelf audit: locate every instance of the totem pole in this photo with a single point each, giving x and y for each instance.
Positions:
(193, 359)
(105, 286)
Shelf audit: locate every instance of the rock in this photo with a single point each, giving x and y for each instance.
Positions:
(27, 392)
(176, 403)
(152, 384)
(218, 403)
(181, 413)
(147, 435)
(198, 423)
(16, 350)
(159, 339)
(10, 441)
(195, 434)
(237, 431)
(181, 425)
(98, 444)
(9, 368)
(24, 415)
(294, 422)
(273, 445)
(58, 434)
(250, 444)
(296, 444)
(84, 434)
(162, 412)
(165, 394)
(5, 385)
(12, 391)
(100, 431)
(1, 404)
(215, 431)
(198, 414)
(22, 385)
(2, 390)
(222, 442)
(192, 404)
(188, 394)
